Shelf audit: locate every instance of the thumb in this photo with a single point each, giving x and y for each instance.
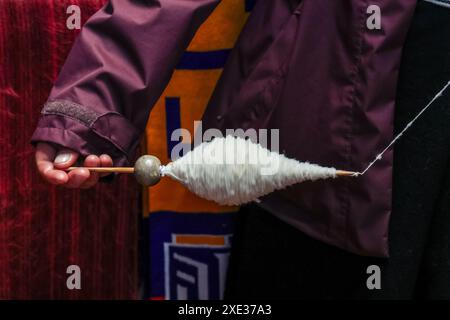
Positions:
(65, 158)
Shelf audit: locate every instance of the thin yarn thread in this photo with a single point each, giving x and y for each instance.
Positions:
(398, 136)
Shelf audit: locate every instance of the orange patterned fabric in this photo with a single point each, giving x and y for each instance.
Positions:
(192, 88)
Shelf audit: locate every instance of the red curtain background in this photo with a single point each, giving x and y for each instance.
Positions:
(44, 229)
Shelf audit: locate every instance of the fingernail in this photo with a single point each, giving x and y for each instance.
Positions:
(62, 157)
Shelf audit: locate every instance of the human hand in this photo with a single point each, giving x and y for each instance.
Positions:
(52, 161)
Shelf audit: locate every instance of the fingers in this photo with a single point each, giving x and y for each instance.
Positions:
(52, 164)
(45, 153)
(48, 161)
(91, 161)
(105, 161)
(85, 179)
(77, 178)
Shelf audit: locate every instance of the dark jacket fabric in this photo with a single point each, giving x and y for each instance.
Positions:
(310, 68)
(419, 235)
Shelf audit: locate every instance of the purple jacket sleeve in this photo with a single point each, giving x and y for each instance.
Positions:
(115, 72)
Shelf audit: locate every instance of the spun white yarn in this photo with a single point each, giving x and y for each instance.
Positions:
(379, 156)
(235, 171)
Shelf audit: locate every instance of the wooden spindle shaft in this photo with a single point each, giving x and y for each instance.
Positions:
(343, 173)
(106, 169)
(339, 173)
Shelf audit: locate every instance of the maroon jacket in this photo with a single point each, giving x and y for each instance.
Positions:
(310, 68)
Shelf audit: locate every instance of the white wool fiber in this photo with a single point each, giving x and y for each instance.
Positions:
(235, 171)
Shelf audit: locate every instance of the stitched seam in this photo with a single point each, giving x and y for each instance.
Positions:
(279, 74)
(345, 199)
